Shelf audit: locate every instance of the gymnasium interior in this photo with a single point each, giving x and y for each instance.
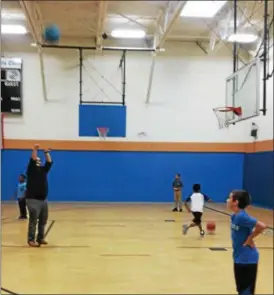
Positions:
(127, 94)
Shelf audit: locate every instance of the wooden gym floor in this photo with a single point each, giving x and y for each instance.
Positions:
(125, 248)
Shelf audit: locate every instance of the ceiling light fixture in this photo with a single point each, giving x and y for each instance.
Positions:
(5, 14)
(13, 29)
(203, 9)
(130, 34)
(242, 38)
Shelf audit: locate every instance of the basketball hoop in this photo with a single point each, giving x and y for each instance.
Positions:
(221, 114)
(102, 132)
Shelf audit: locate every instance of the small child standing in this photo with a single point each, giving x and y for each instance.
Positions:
(20, 195)
(244, 229)
(177, 188)
(197, 200)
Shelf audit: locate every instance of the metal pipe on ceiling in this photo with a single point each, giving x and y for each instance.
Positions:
(104, 48)
(151, 75)
(265, 55)
(235, 54)
(124, 78)
(80, 76)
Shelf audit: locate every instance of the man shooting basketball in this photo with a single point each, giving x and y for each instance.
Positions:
(36, 195)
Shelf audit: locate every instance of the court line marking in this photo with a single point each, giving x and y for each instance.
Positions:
(47, 246)
(119, 221)
(49, 228)
(202, 247)
(10, 220)
(90, 246)
(218, 211)
(228, 214)
(228, 247)
(4, 218)
(8, 291)
(99, 224)
(107, 226)
(125, 255)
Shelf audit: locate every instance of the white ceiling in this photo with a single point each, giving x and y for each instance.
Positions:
(81, 22)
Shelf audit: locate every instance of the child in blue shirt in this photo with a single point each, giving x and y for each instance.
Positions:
(244, 229)
(20, 195)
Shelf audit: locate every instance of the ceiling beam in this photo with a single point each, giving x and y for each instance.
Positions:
(101, 23)
(220, 27)
(193, 38)
(39, 17)
(172, 12)
(135, 21)
(28, 8)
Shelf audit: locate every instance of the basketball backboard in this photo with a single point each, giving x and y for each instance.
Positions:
(243, 90)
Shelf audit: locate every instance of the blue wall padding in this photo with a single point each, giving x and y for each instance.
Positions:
(128, 176)
(259, 178)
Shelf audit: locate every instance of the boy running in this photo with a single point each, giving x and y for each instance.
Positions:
(197, 200)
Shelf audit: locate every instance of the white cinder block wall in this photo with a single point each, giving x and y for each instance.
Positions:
(187, 84)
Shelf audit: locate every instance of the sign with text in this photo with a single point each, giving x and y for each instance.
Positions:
(11, 85)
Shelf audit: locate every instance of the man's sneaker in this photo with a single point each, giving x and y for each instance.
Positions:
(33, 244)
(42, 242)
(175, 210)
(185, 229)
(202, 233)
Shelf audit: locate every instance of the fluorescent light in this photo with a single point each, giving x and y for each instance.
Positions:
(13, 29)
(12, 15)
(206, 9)
(134, 34)
(242, 38)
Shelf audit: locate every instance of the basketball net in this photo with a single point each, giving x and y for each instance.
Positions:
(222, 115)
(102, 132)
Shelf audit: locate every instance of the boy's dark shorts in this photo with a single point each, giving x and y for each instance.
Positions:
(197, 217)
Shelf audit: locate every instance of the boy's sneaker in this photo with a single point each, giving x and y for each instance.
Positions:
(181, 210)
(185, 229)
(202, 233)
(175, 210)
